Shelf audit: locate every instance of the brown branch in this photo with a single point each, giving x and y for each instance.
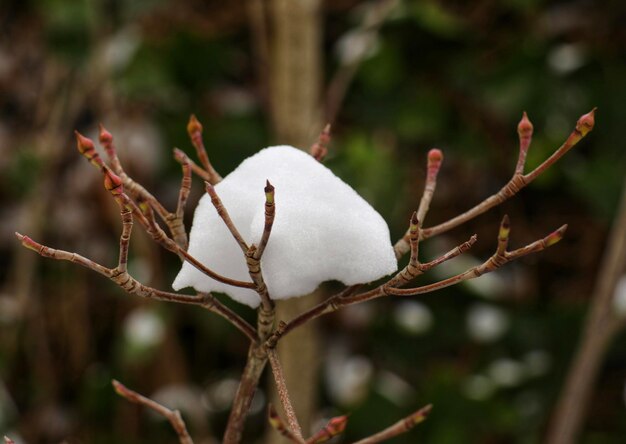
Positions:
(277, 424)
(134, 287)
(601, 326)
(283, 394)
(270, 213)
(194, 129)
(195, 168)
(223, 213)
(433, 165)
(334, 427)
(320, 148)
(400, 427)
(255, 363)
(334, 303)
(518, 180)
(173, 416)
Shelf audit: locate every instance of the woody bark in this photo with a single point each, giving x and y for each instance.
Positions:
(295, 87)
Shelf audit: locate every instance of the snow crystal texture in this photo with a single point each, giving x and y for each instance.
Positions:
(323, 230)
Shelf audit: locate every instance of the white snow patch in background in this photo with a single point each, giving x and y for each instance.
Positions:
(486, 323)
(413, 317)
(323, 230)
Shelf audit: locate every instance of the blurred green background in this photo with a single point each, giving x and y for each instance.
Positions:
(490, 356)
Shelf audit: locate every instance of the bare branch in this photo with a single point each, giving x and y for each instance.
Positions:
(270, 213)
(320, 148)
(283, 394)
(194, 129)
(584, 125)
(433, 165)
(180, 155)
(277, 424)
(334, 303)
(173, 416)
(223, 213)
(334, 427)
(185, 186)
(400, 427)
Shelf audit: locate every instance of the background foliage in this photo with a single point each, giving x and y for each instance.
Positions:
(491, 357)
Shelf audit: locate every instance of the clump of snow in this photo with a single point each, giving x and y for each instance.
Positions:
(323, 230)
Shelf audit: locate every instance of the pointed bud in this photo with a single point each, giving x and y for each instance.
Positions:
(269, 192)
(586, 122)
(180, 156)
(320, 148)
(112, 182)
(274, 419)
(420, 415)
(555, 236)
(435, 157)
(337, 425)
(525, 127)
(194, 127)
(86, 147)
(105, 137)
(414, 224)
(28, 242)
(121, 389)
(8, 440)
(505, 228)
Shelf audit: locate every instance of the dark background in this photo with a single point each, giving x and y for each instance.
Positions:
(451, 74)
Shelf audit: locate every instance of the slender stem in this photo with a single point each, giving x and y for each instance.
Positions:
(283, 393)
(334, 303)
(257, 358)
(270, 213)
(601, 327)
(127, 226)
(194, 129)
(400, 427)
(517, 182)
(277, 424)
(195, 168)
(173, 416)
(223, 213)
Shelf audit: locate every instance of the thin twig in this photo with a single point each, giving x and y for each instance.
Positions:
(334, 427)
(223, 213)
(320, 148)
(270, 213)
(433, 165)
(173, 416)
(194, 129)
(494, 262)
(602, 324)
(518, 181)
(283, 393)
(277, 424)
(400, 427)
(197, 170)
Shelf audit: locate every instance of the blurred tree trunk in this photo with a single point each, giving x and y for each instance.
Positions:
(294, 80)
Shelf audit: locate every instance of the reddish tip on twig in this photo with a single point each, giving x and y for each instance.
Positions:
(105, 137)
(84, 144)
(112, 182)
(555, 236)
(525, 126)
(120, 388)
(194, 126)
(180, 156)
(28, 242)
(421, 414)
(435, 157)
(8, 440)
(586, 122)
(320, 148)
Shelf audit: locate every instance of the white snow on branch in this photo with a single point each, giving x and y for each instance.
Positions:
(323, 230)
